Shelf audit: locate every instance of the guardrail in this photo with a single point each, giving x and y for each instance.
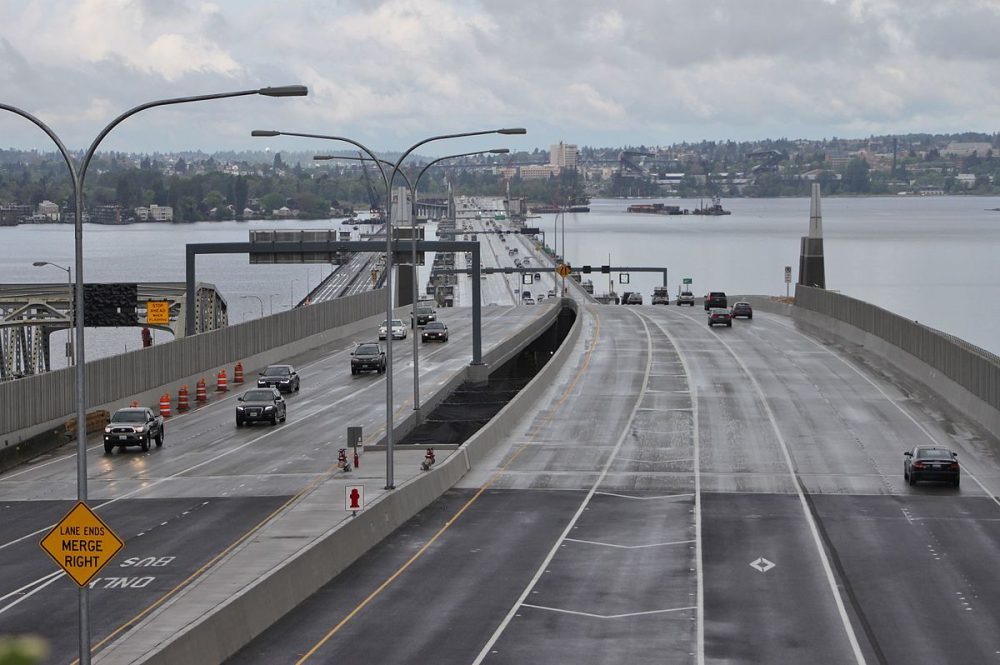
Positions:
(971, 367)
(49, 397)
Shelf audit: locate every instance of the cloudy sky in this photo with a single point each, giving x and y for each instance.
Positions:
(602, 73)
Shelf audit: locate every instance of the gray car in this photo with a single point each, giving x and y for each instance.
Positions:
(260, 405)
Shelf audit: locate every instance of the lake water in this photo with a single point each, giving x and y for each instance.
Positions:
(933, 259)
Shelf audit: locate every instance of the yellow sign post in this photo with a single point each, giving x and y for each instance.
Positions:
(158, 312)
(82, 544)
(563, 270)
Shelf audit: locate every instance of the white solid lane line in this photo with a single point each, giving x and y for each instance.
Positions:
(852, 638)
(583, 506)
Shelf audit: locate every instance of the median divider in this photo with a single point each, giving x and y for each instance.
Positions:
(254, 586)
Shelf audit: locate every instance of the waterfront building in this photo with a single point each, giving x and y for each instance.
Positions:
(155, 213)
(49, 210)
(967, 148)
(11, 214)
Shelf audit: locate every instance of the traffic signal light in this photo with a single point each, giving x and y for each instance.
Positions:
(606, 269)
(585, 269)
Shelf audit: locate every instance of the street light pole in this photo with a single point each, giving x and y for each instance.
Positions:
(69, 331)
(413, 237)
(389, 179)
(270, 300)
(77, 176)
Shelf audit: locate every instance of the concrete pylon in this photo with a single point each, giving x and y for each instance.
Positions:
(811, 268)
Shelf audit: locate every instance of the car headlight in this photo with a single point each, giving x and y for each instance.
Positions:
(261, 382)
(269, 408)
(139, 430)
(107, 430)
(239, 408)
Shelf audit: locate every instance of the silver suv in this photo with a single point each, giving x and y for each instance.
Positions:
(685, 298)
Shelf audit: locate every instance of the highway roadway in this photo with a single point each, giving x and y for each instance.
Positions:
(181, 507)
(683, 494)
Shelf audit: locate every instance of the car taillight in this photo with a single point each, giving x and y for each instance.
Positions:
(918, 465)
(953, 466)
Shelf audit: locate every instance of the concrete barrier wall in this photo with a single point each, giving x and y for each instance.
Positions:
(241, 617)
(974, 369)
(36, 403)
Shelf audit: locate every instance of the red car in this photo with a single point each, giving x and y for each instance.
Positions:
(720, 317)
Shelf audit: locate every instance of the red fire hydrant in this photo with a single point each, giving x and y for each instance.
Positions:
(428, 460)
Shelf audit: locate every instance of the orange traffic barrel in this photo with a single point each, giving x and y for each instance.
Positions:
(222, 383)
(165, 405)
(200, 391)
(238, 373)
(182, 399)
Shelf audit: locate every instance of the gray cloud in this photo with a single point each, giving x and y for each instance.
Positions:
(389, 72)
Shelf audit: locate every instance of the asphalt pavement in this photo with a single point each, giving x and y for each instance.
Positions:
(181, 507)
(688, 495)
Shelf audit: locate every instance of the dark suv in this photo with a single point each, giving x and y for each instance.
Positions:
(282, 377)
(135, 426)
(260, 405)
(368, 357)
(715, 299)
(424, 314)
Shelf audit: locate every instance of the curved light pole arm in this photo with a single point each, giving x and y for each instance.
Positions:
(413, 236)
(363, 148)
(51, 134)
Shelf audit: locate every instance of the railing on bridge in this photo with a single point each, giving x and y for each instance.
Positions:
(30, 313)
(975, 369)
(35, 400)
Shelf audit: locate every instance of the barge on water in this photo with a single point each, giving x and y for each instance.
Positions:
(656, 209)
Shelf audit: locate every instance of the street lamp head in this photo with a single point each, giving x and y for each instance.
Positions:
(499, 151)
(285, 91)
(321, 158)
(39, 264)
(265, 132)
(512, 130)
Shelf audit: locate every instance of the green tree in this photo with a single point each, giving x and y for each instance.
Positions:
(856, 178)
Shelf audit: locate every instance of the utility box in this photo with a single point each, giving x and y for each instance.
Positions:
(353, 437)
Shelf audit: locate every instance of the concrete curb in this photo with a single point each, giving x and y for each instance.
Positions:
(239, 617)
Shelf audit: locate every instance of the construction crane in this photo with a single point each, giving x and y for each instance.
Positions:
(769, 160)
(376, 207)
(626, 164)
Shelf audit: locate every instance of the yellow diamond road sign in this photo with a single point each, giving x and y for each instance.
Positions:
(82, 544)
(563, 269)
(158, 312)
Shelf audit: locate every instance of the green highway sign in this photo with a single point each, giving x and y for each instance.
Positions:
(687, 280)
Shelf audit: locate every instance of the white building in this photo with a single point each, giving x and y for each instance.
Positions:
(49, 210)
(155, 213)
(966, 180)
(563, 156)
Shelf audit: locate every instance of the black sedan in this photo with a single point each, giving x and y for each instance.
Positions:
(260, 405)
(436, 331)
(742, 308)
(282, 377)
(931, 463)
(719, 316)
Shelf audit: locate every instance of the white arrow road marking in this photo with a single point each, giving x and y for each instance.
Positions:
(762, 564)
(645, 498)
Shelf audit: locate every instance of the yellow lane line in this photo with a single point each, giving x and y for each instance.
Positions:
(333, 631)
